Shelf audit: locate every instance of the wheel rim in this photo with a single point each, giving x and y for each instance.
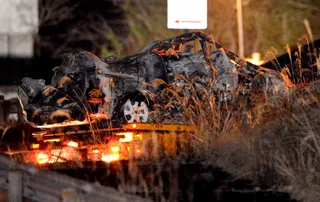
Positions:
(137, 112)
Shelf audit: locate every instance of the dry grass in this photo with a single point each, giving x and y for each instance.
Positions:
(273, 143)
(279, 147)
(298, 159)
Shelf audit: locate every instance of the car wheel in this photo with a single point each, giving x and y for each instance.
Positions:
(135, 111)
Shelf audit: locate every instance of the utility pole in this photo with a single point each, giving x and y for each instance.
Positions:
(240, 28)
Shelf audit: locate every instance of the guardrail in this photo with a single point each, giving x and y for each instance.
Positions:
(36, 184)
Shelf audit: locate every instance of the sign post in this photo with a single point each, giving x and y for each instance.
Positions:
(187, 14)
(240, 28)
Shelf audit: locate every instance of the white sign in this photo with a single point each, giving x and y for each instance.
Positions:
(18, 16)
(19, 23)
(187, 14)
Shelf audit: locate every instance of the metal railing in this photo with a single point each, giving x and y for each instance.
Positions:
(23, 181)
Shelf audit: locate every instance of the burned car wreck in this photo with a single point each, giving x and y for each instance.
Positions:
(112, 89)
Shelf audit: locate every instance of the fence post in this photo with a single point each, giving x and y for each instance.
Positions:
(15, 186)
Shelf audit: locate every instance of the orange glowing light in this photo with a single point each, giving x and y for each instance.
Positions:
(35, 146)
(128, 137)
(115, 149)
(255, 59)
(72, 144)
(42, 158)
(95, 151)
(134, 125)
(64, 124)
(137, 136)
(110, 157)
(138, 151)
(52, 140)
(95, 100)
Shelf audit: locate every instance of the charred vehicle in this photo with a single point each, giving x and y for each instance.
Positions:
(84, 85)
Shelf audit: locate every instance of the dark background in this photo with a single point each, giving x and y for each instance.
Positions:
(123, 27)
(86, 16)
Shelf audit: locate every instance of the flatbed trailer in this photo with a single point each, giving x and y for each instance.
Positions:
(65, 143)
